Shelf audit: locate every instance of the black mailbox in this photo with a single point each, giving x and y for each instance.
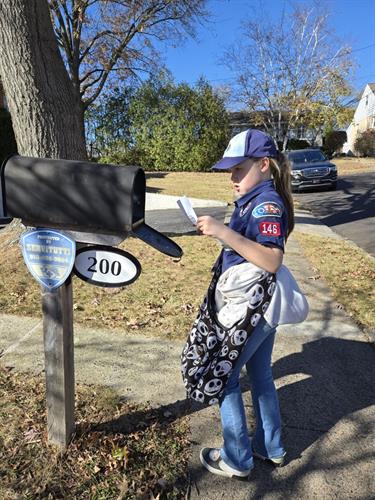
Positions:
(78, 196)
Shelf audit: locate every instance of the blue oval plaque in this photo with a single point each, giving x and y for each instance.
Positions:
(49, 256)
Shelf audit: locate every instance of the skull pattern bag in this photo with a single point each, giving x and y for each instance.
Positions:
(211, 350)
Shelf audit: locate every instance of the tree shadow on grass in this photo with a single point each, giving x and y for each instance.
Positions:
(154, 175)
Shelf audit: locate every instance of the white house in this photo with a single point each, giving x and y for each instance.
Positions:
(364, 118)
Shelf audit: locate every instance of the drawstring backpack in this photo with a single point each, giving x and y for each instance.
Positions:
(212, 350)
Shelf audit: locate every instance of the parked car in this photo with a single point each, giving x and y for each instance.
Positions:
(311, 168)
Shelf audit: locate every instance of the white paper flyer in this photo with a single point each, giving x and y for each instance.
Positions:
(187, 209)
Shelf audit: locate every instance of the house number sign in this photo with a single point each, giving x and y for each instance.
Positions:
(106, 266)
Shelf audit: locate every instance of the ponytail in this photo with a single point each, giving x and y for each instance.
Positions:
(280, 170)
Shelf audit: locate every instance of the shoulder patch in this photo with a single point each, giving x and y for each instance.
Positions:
(267, 209)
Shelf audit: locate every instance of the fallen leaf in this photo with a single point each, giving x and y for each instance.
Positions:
(30, 435)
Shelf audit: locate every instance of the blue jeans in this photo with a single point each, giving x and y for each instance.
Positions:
(237, 447)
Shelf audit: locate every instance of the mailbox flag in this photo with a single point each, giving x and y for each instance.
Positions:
(157, 240)
(49, 256)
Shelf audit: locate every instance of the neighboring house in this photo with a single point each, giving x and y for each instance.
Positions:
(364, 118)
(239, 121)
(242, 120)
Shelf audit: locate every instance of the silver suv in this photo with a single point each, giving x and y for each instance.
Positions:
(311, 168)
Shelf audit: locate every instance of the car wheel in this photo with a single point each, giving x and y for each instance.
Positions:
(333, 186)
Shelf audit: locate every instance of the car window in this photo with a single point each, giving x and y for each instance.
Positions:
(306, 156)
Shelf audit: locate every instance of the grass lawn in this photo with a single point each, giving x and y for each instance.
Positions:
(120, 451)
(163, 301)
(348, 271)
(348, 166)
(217, 185)
(206, 185)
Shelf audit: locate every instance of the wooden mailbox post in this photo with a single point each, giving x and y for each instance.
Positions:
(57, 307)
(92, 204)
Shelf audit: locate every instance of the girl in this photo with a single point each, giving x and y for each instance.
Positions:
(262, 220)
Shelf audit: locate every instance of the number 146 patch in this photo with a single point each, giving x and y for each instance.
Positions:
(270, 228)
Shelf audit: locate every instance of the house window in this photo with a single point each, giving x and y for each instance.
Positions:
(367, 100)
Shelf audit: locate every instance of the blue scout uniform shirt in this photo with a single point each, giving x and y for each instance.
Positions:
(261, 216)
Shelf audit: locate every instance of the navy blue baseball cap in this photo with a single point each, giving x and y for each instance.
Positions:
(251, 143)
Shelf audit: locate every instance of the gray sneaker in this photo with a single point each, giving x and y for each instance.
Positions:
(211, 460)
(278, 461)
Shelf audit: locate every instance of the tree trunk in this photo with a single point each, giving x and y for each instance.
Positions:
(46, 113)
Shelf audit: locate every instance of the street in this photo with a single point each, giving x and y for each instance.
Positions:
(172, 222)
(350, 210)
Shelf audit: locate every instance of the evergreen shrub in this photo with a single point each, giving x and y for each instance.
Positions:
(365, 143)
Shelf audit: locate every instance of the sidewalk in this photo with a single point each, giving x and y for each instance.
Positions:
(324, 371)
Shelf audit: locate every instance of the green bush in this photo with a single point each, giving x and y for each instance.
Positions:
(365, 143)
(161, 126)
(8, 143)
(333, 141)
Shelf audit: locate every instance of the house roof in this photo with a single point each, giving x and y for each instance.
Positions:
(372, 86)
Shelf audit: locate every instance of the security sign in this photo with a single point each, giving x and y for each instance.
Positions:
(49, 256)
(106, 266)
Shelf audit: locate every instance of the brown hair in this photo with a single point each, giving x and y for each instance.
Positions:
(280, 170)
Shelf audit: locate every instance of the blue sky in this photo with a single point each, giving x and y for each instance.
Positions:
(352, 20)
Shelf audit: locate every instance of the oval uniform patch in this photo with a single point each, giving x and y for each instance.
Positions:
(267, 209)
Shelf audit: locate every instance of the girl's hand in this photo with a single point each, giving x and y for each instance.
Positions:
(209, 226)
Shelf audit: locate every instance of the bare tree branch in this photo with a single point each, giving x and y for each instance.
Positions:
(283, 69)
(96, 35)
